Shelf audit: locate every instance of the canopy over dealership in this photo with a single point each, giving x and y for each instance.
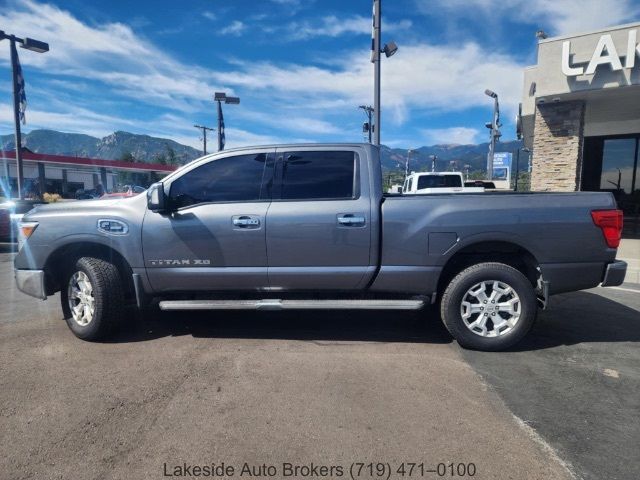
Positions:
(581, 114)
(65, 175)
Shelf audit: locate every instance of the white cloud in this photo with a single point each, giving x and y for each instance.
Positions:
(209, 15)
(452, 135)
(576, 16)
(73, 119)
(332, 26)
(110, 53)
(425, 76)
(557, 17)
(300, 99)
(235, 28)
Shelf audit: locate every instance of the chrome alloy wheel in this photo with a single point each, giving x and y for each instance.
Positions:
(490, 308)
(81, 299)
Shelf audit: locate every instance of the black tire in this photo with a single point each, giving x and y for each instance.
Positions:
(451, 304)
(108, 298)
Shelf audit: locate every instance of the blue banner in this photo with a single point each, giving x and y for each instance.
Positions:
(502, 159)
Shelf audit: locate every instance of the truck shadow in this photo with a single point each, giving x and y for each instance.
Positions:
(582, 317)
(574, 318)
(367, 326)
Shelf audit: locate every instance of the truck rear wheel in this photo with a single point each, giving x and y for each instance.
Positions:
(489, 306)
(92, 298)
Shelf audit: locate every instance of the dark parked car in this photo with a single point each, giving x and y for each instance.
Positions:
(10, 213)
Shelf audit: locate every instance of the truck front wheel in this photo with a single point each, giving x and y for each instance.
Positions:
(92, 298)
(489, 306)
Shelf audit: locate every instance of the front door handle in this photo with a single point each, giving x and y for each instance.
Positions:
(245, 221)
(351, 220)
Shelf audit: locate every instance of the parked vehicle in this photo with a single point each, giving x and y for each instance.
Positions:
(437, 182)
(487, 185)
(86, 194)
(11, 212)
(123, 191)
(308, 226)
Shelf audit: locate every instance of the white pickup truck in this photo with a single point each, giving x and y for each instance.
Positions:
(437, 182)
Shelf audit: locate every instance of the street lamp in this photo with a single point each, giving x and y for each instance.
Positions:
(18, 92)
(221, 98)
(406, 164)
(494, 127)
(433, 162)
(467, 169)
(389, 50)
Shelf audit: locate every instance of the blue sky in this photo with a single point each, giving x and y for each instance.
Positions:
(301, 67)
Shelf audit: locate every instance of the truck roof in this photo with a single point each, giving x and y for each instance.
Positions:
(298, 145)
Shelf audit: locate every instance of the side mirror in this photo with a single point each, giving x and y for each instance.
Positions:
(156, 198)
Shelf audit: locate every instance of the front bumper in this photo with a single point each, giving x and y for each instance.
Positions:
(614, 274)
(31, 282)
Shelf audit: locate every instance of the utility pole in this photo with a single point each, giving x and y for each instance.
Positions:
(204, 136)
(515, 186)
(368, 111)
(433, 162)
(18, 91)
(494, 127)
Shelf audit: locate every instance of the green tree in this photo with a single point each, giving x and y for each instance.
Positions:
(127, 156)
(172, 158)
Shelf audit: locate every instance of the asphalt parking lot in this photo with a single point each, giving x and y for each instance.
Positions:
(322, 388)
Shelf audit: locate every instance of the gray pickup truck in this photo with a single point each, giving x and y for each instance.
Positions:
(308, 226)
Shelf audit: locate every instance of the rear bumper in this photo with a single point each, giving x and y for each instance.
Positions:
(31, 282)
(614, 273)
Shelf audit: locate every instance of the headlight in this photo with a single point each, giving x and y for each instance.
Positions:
(25, 230)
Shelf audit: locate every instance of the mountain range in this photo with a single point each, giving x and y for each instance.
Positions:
(144, 148)
(117, 146)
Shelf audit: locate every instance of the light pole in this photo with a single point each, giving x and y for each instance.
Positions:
(221, 98)
(389, 49)
(18, 92)
(433, 162)
(494, 134)
(204, 136)
(526, 150)
(406, 163)
(368, 127)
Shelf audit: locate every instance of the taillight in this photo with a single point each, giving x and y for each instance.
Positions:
(610, 222)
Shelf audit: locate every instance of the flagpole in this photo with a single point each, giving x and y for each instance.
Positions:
(16, 115)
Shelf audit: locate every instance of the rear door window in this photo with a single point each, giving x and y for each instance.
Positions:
(318, 175)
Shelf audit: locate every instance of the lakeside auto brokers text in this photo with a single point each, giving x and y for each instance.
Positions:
(355, 470)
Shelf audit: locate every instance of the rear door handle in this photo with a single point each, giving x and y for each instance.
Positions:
(245, 221)
(351, 220)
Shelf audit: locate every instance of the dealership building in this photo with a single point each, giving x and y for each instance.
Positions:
(581, 115)
(65, 175)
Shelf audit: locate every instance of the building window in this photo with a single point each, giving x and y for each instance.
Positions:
(611, 164)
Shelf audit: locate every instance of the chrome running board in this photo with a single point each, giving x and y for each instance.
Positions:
(276, 304)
